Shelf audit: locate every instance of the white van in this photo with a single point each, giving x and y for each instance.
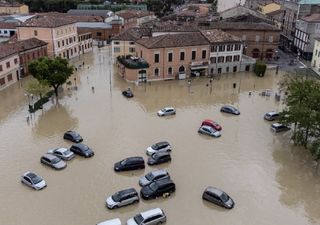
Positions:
(111, 222)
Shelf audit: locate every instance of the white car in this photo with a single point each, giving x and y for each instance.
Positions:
(162, 146)
(62, 153)
(33, 180)
(153, 176)
(150, 217)
(111, 222)
(166, 111)
(209, 131)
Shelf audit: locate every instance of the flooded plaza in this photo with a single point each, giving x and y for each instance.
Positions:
(271, 181)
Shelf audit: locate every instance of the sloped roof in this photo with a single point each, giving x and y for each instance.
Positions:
(174, 40)
(242, 26)
(132, 34)
(47, 21)
(215, 36)
(313, 18)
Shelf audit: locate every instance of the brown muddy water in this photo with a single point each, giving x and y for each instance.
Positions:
(271, 182)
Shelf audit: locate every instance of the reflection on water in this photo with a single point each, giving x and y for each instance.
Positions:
(270, 181)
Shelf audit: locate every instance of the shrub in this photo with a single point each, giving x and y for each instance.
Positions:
(260, 68)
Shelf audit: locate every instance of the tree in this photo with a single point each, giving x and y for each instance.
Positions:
(36, 88)
(260, 68)
(53, 72)
(161, 7)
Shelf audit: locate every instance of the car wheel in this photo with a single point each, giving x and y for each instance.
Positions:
(159, 223)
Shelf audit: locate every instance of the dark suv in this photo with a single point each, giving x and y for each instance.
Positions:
(82, 150)
(158, 188)
(73, 136)
(131, 163)
(158, 158)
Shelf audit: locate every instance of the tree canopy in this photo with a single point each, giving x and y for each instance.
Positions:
(36, 88)
(162, 7)
(53, 72)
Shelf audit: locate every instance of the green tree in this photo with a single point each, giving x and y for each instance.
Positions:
(161, 7)
(53, 72)
(37, 88)
(260, 68)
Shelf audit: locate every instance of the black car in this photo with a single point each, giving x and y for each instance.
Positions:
(82, 150)
(159, 157)
(218, 197)
(230, 109)
(158, 188)
(127, 93)
(73, 136)
(131, 163)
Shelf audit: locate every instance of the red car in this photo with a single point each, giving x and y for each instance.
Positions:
(212, 124)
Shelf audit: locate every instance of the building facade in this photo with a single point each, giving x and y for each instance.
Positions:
(315, 62)
(9, 66)
(13, 8)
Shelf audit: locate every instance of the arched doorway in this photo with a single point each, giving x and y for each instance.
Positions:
(269, 53)
(181, 69)
(255, 53)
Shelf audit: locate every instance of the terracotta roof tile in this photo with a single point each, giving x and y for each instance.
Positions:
(132, 34)
(214, 36)
(47, 21)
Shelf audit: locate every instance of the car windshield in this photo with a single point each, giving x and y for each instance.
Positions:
(155, 146)
(150, 176)
(138, 218)
(67, 152)
(123, 162)
(153, 186)
(163, 110)
(224, 197)
(116, 197)
(84, 148)
(76, 135)
(55, 160)
(36, 179)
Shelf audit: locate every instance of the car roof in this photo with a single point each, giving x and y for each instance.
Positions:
(80, 145)
(30, 174)
(164, 181)
(111, 222)
(162, 143)
(135, 158)
(168, 108)
(71, 132)
(151, 212)
(272, 113)
(214, 190)
(206, 126)
(208, 121)
(276, 124)
(230, 106)
(49, 156)
(161, 153)
(61, 149)
(127, 191)
(159, 172)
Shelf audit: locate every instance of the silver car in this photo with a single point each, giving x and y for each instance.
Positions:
(33, 180)
(166, 111)
(209, 131)
(150, 217)
(122, 198)
(53, 161)
(162, 146)
(111, 222)
(153, 176)
(62, 153)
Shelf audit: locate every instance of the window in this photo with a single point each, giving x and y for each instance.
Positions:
(5, 31)
(182, 56)
(35, 32)
(270, 39)
(9, 77)
(62, 42)
(227, 69)
(220, 59)
(236, 58)
(74, 39)
(156, 72)
(156, 57)
(70, 40)
(229, 58)
(214, 48)
(67, 41)
(131, 43)
(131, 50)
(193, 55)
(16, 61)
(170, 71)
(204, 54)
(99, 34)
(229, 48)
(222, 48)
(237, 47)
(257, 38)
(58, 44)
(213, 59)
(8, 64)
(170, 55)
(2, 82)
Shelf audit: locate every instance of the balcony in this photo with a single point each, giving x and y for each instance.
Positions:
(199, 65)
(133, 62)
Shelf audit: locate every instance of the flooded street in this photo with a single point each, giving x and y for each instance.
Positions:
(270, 181)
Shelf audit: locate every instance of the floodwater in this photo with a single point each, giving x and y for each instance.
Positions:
(271, 181)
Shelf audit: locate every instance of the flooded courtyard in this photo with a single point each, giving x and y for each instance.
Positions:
(271, 181)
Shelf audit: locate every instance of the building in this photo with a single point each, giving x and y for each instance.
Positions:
(307, 28)
(59, 32)
(261, 39)
(13, 8)
(276, 17)
(7, 29)
(266, 8)
(172, 56)
(85, 42)
(226, 53)
(134, 18)
(315, 62)
(82, 12)
(9, 66)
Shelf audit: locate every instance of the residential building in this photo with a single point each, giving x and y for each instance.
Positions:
(226, 53)
(261, 39)
(85, 42)
(7, 29)
(59, 32)
(9, 66)
(172, 56)
(266, 8)
(13, 8)
(315, 62)
(307, 28)
(134, 18)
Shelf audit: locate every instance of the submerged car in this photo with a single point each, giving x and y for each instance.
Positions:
(162, 146)
(212, 124)
(209, 131)
(167, 111)
(158, 158)
(111, 222)
(271, 116)
(82, 150)
(62, 153)
(122, 198)
(230, 109)
(150, 217)
(73, 136)
(131, 163)
(53, 161)
(33, 180)
(127, 93)
(278, 127)
(218, 197)
(153, 176)
(158, 188)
